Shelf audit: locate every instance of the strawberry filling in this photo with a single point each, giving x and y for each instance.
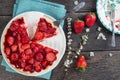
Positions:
(44, 30)
(27, 54)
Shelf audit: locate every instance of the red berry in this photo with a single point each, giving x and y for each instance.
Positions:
(50, 56)
(39, 56)
(7, 51)
(10, 40)
(81, 63)
(25, 46)
(31, 61)
(28, 67)
(37, 68)
(14, 48)
(90, 19)
(14, 56)
(78, 26)
(42, 26)
(44, 64)
(38, 36)
(28, 51)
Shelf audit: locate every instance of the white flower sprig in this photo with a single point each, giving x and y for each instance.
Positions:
(68, 61)
(70, 53)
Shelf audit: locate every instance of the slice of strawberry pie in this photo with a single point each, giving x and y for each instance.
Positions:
(44, 30)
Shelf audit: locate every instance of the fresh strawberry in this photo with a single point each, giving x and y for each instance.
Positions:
(10, 40)
(50, 56)
(7, 51)
(14, 56)
(81, 63)
(39, 56)
(78, 26)
(14, 48)
(90, 19)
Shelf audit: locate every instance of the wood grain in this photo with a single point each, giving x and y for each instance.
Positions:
(100, 67)
(6, 6)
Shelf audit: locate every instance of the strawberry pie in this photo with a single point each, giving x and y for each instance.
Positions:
(27, 54)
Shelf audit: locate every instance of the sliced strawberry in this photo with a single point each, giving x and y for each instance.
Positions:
(10, 40)
(28, 51)
(15, 34)
(40, 46)
(25, 46)
(14, 56)
(25, 39)
(42, 26)
(25, 56)
(47, 50)
(31, 61)
(14, 47)
(37, 68)
(37, 63)
(14, 26)
(28, 67)
(39, 56)
(49, 24)
(22, 64)
(42, 20)
(34, 47)
(44, 64)
(21, 21)
(7, 51)
(19, 47)
(50, 56)
(51, 30)
(38, 36)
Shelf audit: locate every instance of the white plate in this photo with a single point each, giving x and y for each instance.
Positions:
(103, 9)
(57, 42)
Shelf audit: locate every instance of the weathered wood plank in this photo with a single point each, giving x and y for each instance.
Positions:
(3, 22)
(6, 6)
(100, 67)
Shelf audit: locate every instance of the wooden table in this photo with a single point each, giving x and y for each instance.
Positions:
(100, 67)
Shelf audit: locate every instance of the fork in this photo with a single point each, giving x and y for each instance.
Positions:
(75, 9)
(112, 17)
